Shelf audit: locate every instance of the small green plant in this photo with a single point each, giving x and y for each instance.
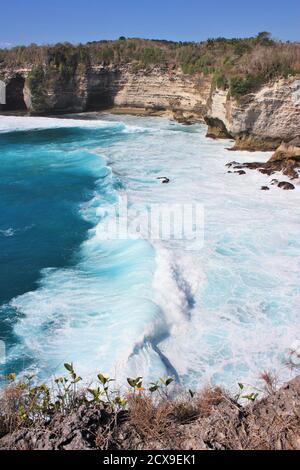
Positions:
(248, 396)
(161, 386)
(105, 395)
(67, 395)
(136, 383)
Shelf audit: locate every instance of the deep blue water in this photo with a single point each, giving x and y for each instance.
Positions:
(44, 180)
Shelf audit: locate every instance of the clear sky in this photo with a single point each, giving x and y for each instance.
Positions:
(26, 21)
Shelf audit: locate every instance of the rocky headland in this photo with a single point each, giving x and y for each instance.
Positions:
(255, 100)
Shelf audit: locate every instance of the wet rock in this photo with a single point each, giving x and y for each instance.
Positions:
(184, 118)
(287, 151)
(231, 164)
(274, 181)
(253, 165)
(240, 172)
(285, 185)
(163, 179)
(289, 168)
(216, 128)
(266, 171)
(265, 188)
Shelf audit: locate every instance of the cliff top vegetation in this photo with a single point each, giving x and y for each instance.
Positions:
(64, 416)
(240, 64)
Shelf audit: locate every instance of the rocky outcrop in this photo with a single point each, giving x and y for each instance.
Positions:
(287, 151)
(261, 120)
(286, 159)
(216, 128)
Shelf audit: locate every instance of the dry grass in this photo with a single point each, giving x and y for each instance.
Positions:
(11, 401)
(211, 419)
(165, 423)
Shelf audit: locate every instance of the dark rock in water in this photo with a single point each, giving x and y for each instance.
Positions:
(229, 171)
(265, 188)
(216, 128)
(240, 172)
(285, 185)
(163, 179)
(274, 181)
(266, 171)
(253, 165)
(183, 118)
(231, 164)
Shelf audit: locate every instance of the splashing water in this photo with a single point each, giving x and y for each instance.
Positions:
(220, 314)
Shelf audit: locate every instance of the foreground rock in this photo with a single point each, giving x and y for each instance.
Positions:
(212, 420)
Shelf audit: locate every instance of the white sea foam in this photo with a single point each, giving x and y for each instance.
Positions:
(220, 314)
(8, 232)
(24, 123)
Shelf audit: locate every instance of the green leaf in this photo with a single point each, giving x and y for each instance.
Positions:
(241, 385)
(69, 367)
(153, 388)
(131, 382)
(102, 378)
(135, 382)
(120, 401)
(251, 396)
(169, 381)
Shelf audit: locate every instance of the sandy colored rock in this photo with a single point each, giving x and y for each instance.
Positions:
(260, 120)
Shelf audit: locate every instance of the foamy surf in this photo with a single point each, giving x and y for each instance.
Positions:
(137, 306)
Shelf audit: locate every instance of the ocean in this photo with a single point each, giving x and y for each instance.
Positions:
(71, 292)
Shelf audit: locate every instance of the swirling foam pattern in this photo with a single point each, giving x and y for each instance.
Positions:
(220, 314)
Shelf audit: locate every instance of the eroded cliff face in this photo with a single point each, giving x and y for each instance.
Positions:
(49, 92)
(258, 121)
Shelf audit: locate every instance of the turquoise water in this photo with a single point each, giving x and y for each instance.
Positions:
(137, 306)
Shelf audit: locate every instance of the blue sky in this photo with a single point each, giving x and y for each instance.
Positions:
(26, 21)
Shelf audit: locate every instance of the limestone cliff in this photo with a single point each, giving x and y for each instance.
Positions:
(45, 91)
(257, 121)
(260, 120)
